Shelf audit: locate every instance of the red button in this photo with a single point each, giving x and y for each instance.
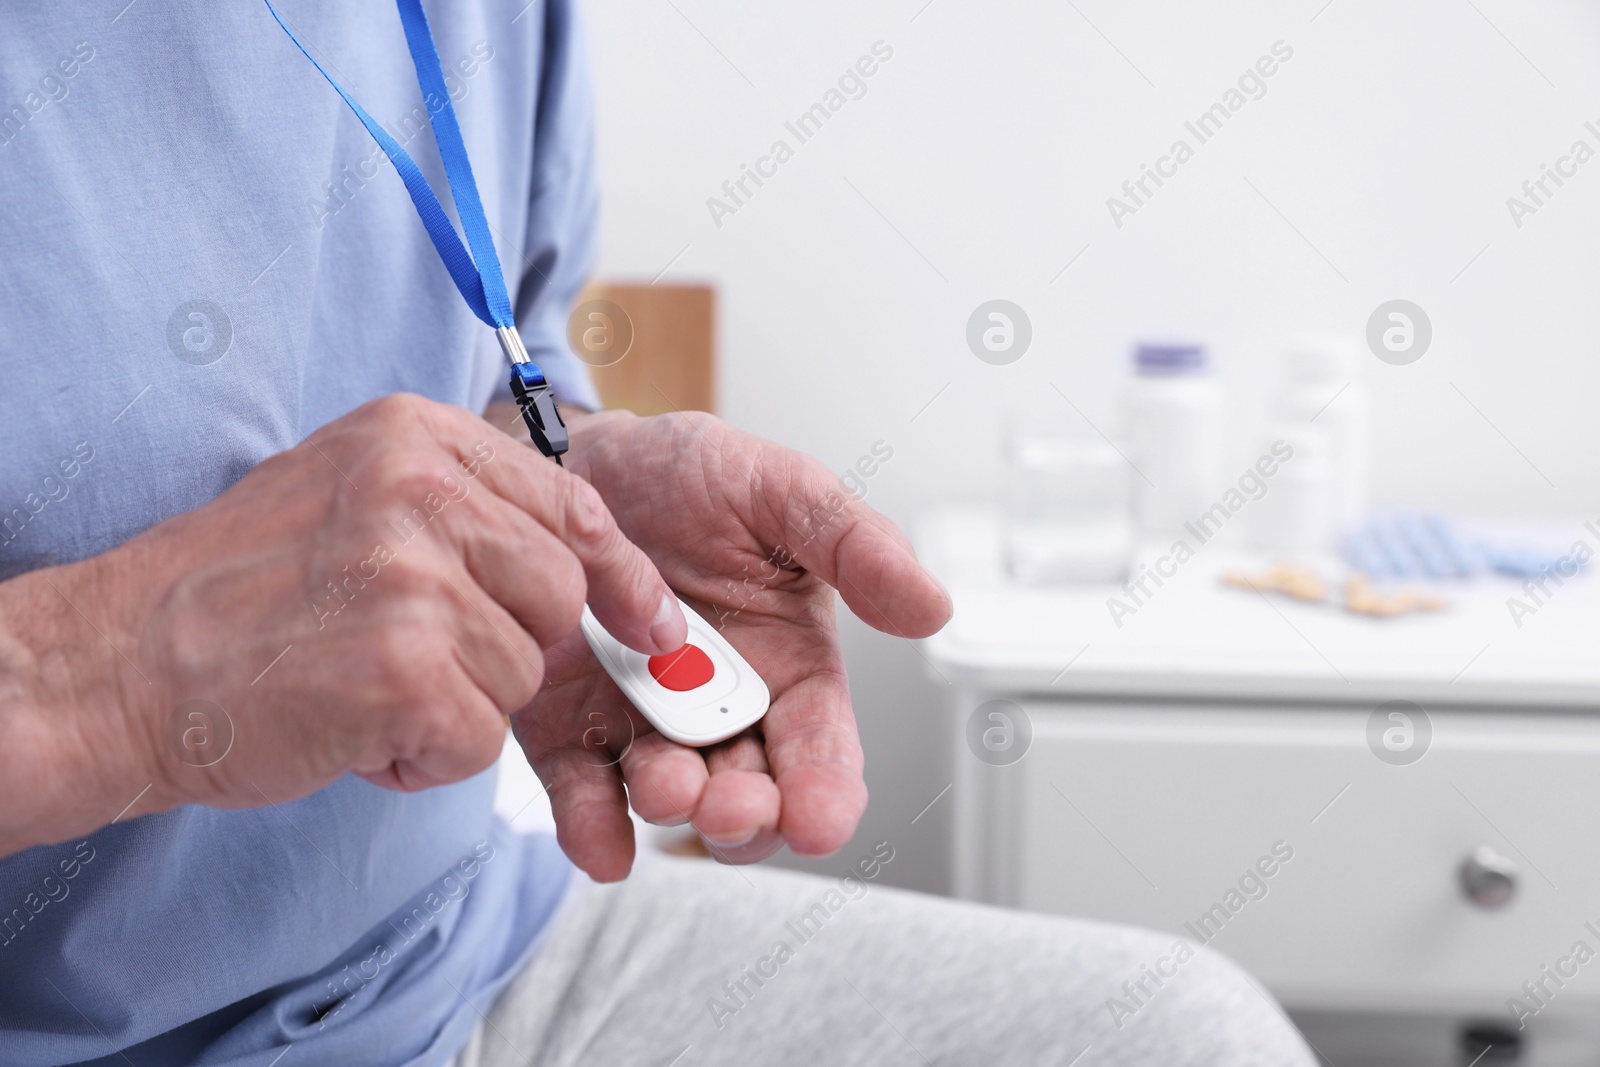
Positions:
(687, 668)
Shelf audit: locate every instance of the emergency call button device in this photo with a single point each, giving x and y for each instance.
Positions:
(700, 694)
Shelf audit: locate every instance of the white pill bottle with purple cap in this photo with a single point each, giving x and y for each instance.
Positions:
(1173, 422)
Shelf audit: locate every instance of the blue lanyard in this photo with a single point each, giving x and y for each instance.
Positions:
(477, 275)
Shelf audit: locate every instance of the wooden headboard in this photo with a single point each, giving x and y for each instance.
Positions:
(670, 336)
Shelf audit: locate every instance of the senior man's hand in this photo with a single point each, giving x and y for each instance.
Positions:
(757, 537)
(373, 601)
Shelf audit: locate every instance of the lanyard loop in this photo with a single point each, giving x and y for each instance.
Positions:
(477, 275)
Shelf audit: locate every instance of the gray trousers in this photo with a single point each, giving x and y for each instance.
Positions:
(690, 963)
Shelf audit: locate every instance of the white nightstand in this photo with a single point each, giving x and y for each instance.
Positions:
(1170, 755)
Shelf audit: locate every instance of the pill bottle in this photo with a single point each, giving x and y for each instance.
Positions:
(1323, 387)
(1066, 508)
(1293, 520)
(1173, 425)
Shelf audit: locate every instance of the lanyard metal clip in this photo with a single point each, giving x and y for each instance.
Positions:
(533, 396)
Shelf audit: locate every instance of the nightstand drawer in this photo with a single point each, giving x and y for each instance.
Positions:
(1281, 839)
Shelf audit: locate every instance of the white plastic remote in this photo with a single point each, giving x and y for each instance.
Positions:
(701, 694)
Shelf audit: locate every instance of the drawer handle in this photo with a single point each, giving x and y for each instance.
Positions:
(1488, 879)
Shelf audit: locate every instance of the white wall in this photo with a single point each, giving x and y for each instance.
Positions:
(991, 140)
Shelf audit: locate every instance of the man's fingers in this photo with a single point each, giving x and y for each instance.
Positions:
(665, 779)
(758, 848)
(737, 806)
(724, 792)
(524, 567)
(823, 804)
(503, 660)
(627, 593)
(815, 756)
(741, 801)
(859, 552)
(459, 742)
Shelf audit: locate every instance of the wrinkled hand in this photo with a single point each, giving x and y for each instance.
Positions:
(380, 570)
(756, 537)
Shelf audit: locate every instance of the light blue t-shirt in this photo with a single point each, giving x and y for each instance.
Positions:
(203, 258)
